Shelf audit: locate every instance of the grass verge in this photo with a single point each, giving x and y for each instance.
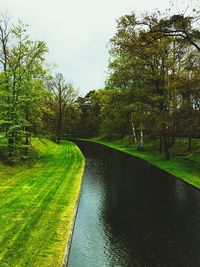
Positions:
(183, 165)
(37, 202)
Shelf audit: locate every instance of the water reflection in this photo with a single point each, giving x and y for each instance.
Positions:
(132, 214)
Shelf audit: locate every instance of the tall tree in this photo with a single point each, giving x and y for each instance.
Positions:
(145, 60)
(62, 96)
(22, 72)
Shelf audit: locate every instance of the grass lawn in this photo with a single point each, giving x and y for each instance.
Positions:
(183, 165)
(37, 202)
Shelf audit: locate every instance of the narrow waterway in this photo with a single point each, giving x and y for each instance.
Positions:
(133, 214)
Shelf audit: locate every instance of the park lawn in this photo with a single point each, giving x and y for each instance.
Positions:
(37, 204)
(183, 165)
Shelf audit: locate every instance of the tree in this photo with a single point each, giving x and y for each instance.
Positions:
(21, 83)
(151, 66)
(89, 114)
(61, 98)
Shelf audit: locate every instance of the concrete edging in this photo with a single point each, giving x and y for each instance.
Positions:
(69, 242)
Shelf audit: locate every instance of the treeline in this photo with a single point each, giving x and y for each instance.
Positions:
(33, 101)
(153, 86)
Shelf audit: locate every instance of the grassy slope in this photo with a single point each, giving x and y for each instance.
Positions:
(37, 203)
(183, 165)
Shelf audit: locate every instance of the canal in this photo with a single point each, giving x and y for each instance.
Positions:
(133, 214)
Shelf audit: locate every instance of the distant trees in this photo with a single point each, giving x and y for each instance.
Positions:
(89, 107)
(60, 100)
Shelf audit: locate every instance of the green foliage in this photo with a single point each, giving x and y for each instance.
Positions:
(156, 58)
(32, 101)
(89, 106)
(21, 84)
(153, 87)
(60, 108)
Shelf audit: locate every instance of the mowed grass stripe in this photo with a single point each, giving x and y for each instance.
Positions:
(53, 219)
(39, 210)
(53, 261)
(37, 196)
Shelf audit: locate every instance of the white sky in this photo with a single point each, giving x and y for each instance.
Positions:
(77, 32)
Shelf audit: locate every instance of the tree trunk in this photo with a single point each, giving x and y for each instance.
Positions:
(141, 146)
(27, 141)
(130, 139)
(134, 133)
(10, 148)
(59, 129)
(189, 142)
(166, 143)
(161, 144)
(59, 123)
(166, 148)
(154, 143)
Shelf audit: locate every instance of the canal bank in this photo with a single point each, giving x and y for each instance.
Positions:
(38, 197)
(185, 168)
(73, 220)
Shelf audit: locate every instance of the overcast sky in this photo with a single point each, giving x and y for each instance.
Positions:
(77, 32)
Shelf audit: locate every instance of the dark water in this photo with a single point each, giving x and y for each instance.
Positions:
(132, 214)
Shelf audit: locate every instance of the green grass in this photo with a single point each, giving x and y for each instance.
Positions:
(37, 202)
(183, 165)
